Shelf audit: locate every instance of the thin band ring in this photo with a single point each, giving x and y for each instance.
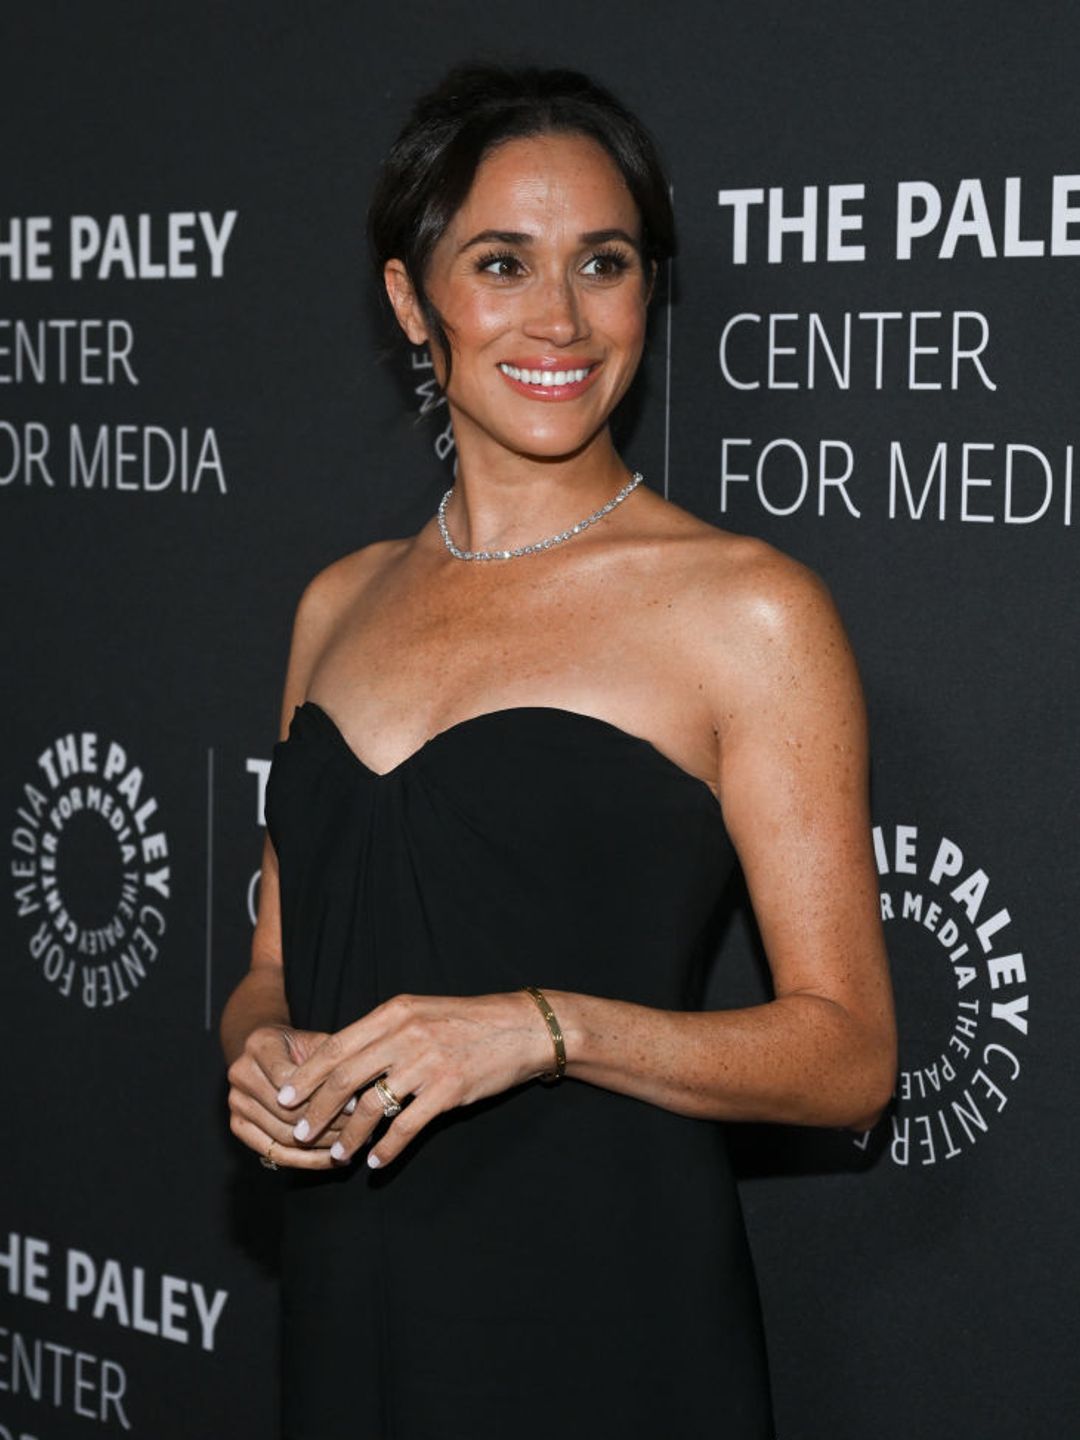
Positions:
(390, 1103)
(268, 1159)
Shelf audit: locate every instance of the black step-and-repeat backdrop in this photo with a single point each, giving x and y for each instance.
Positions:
(866, 352)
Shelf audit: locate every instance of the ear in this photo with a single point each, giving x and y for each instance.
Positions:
(403, 298)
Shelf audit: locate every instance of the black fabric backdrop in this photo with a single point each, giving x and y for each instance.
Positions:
(158, 521)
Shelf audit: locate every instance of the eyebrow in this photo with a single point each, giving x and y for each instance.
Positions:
(519, 237)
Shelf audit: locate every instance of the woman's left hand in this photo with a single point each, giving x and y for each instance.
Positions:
(440, 1050)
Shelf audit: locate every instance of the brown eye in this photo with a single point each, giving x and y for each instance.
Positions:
(612, 263)
(492, 265)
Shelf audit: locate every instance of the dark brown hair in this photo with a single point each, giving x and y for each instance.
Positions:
(431, 166)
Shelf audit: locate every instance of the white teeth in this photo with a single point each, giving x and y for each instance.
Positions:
(545, 377)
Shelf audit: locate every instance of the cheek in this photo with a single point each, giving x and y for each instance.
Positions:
(629, 318)
(625, 332)
(478, 318)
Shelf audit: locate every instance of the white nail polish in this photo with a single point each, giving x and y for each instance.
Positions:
(301, 1130)
(286, 1095)
(337, 1150)
(373, 1160)
(350, 1104)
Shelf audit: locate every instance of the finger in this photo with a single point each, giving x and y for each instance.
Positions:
(304, 1043)
(369, 1111)
(326, 1109)
(274, 1051)
(352, 1077)
(263, 1064)
(272, 1124)
(409, 1086)
(257, 1140)
(432, 1101)
(249, 1084)
(246, 1075)
(331, 1061)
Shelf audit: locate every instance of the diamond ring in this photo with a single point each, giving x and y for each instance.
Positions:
(390, 1103)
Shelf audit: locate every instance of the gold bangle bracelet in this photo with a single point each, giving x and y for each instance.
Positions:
(556, 1033)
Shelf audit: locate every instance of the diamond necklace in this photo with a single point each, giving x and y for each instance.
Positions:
(631, 484)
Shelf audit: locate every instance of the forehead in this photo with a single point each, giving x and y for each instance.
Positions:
(548, 181)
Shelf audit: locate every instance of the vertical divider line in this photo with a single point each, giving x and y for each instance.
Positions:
(209, 877)
(667, 377)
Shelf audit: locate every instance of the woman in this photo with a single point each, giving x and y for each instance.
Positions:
(520, 754)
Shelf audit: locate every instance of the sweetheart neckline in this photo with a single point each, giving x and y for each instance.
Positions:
(487, 715)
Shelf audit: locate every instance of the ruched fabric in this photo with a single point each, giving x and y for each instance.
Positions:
(556, 1260)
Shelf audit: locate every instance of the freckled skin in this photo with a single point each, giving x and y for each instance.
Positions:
(727, 654)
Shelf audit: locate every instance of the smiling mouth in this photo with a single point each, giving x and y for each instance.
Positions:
(549, 384)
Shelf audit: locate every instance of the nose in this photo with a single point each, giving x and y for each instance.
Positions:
(556, 313)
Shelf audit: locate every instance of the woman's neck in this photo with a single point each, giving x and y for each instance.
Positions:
(502, 500)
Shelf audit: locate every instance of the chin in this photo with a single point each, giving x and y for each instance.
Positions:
(549, 447)
(546, 436)
(556, 436)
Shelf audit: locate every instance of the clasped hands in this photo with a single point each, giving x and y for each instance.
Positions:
(312, 1093)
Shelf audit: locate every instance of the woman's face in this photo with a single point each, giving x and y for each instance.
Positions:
(539, 278)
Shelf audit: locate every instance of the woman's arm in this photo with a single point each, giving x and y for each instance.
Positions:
(261, 1046)
(801, 1059)
(259, 998)
(793, 779)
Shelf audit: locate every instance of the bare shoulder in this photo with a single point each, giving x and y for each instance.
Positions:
(337, 585)
(325, 600)
(741, 580)
(770, 597)
(764, 625)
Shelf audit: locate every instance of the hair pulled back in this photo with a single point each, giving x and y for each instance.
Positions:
(431, 166)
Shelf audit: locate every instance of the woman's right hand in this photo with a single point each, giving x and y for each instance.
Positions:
(270, 1055)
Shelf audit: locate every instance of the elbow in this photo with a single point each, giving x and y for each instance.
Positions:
(873, 1106)
(874, 1095)
(867, 1122)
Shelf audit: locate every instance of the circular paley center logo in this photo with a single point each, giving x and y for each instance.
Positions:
(90, 867)
(962, 995)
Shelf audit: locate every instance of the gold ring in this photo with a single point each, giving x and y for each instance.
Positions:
(390, 1103)
(268, 1159)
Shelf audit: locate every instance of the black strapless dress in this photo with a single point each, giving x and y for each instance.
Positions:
(557, 1260)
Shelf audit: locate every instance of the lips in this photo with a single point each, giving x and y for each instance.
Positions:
(548, 382)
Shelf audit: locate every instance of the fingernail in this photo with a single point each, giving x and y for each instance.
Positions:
(373, 1160)
(301, 1130)
(286, 1095)
(337, 1150)
(350, 1104)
